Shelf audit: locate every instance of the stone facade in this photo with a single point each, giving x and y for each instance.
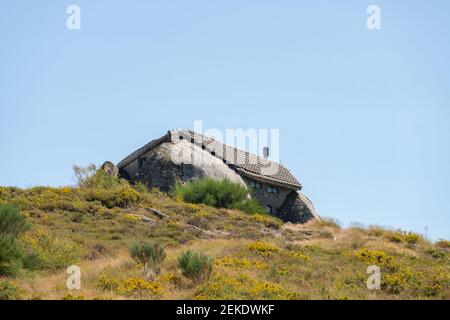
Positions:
(164, 161)
(270, 196)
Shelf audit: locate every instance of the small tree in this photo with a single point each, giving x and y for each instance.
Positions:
(195, 265)
(12, 222)
(151, 255)
(82, 174)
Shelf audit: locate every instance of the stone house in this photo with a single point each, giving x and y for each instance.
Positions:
(183, 155)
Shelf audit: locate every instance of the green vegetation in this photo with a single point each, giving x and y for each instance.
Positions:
(195, 265)
(210, 253)
(150, 255)
(12, 222)
(219, 194)
(9, 291)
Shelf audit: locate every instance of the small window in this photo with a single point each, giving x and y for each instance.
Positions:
(192, 140)
(203, 147)
(181, 137)
(269, 209)
(273, 190)
(213, 153)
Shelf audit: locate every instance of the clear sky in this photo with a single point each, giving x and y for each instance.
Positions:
(364, 116)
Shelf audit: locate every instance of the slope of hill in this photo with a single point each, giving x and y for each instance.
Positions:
(255, 256)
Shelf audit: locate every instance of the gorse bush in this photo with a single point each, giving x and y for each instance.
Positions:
(195, 265)
(151, 255)
(129, 286)
(219, 194)
(12, 222)
(404, 237)
(109, 190)
(45, 251)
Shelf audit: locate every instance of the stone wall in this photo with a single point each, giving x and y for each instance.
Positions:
(266, 198)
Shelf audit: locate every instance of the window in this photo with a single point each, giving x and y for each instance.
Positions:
(213, 153)
(273, 190)
(255, 185)
(180, 137)
(269, 209)
(192, 140)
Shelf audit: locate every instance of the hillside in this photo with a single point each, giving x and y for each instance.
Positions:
(255, 256)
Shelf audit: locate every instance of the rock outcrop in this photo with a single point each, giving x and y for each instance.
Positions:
(182, 161)
(297, 208)
(110, 168)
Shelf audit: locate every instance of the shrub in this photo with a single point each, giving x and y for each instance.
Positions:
(11, 256)
(412, 238)
(45, 251)
(376, 257)
(82, 174)
(12, 222)
(219, 194)
(443, 244)
(195, 265)
(404, 237)
(121, 196)
(242, 287)
(262, 248)
(9, 291)
(151, 255)
(128, 286)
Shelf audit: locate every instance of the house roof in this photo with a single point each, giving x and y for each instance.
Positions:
(244, 162)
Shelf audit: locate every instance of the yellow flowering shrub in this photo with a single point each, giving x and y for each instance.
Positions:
(240, 263)
(376, 257)
(404, 237)
(403, 279)
(131, 217)
(129, 286)
(45, 251)
(300, 255)
(262, 248)
(242, 287)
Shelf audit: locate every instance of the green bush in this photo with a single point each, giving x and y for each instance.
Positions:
(195, 265)
(12, 222)
(11, 256)
(219, 194)
(9, 291)
(151, 255)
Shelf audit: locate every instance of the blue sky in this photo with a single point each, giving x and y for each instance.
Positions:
(364, 116)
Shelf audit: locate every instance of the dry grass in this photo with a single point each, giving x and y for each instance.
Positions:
(316, 260)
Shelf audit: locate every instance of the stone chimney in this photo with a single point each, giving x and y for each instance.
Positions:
(266, 152)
